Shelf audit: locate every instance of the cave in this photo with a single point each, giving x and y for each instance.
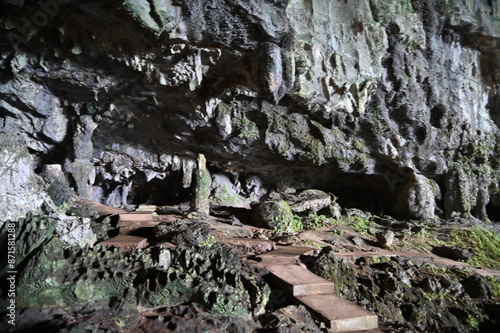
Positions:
(159, 192)
(493, 211)
(159, 157)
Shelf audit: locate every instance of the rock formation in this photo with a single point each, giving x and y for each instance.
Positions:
(389, 106)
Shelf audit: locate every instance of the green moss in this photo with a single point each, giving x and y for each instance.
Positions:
(360, 224)
(494, 281)
(341, 273)
(313, 244)
(209, 241)
(473, 322)
(222, 194)
(287, 221)
(315, 221)
(421, 240)
(247, 128)
(484, 242)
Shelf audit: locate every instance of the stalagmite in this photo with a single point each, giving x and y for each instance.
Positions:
(203, 182)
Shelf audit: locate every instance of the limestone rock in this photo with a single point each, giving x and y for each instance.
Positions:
(455, 253)
(256, 87)
(32, 232)
(59, 188)
(21, 190)
(295, 319)
(277, 215)
(74, 230)
(417, 198)
(55, 127)
(385, 239)
(203, 184)
(198, 276)
(309, 201)
(182, 233)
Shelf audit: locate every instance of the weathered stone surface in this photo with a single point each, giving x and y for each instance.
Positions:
(454, 253)
(92, 280)
(74, 230)
(203, 184)
(391, 106)
(21, 190)
(275, 214)
(55, 127)
(250, 244)
(230, 230)
(386, 238)
(309, 201)
(182, 232)
(31, 232)
(58, 186)
(293, 318)
(238, 192)
(401, 289)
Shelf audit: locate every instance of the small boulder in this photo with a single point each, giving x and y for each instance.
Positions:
(356, 240)
(385, 239)
(59, 188)
(276, 214)
(310, 201)
(477, 287)
(454, 253)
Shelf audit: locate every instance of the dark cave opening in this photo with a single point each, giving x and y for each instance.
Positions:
(370, 193)
(493, 211)
(159, 192)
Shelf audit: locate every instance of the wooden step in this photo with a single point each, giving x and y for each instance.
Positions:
(133, 221)
(339, 314)
(127, 243)
(146, 208)
(135, 217)
(298, 281)
(284, 255)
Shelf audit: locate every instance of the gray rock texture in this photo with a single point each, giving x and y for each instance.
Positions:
(21, 189)
(393, 106)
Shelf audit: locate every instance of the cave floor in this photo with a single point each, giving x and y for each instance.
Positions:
(264, 249)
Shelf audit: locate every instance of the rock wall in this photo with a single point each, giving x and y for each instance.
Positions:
(391, 105)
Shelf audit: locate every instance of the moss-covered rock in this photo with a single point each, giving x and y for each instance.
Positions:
(277, 215)
(94, 279)
(413, 294)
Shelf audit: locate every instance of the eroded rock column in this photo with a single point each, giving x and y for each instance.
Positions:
(81, 168)
(202, 188)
